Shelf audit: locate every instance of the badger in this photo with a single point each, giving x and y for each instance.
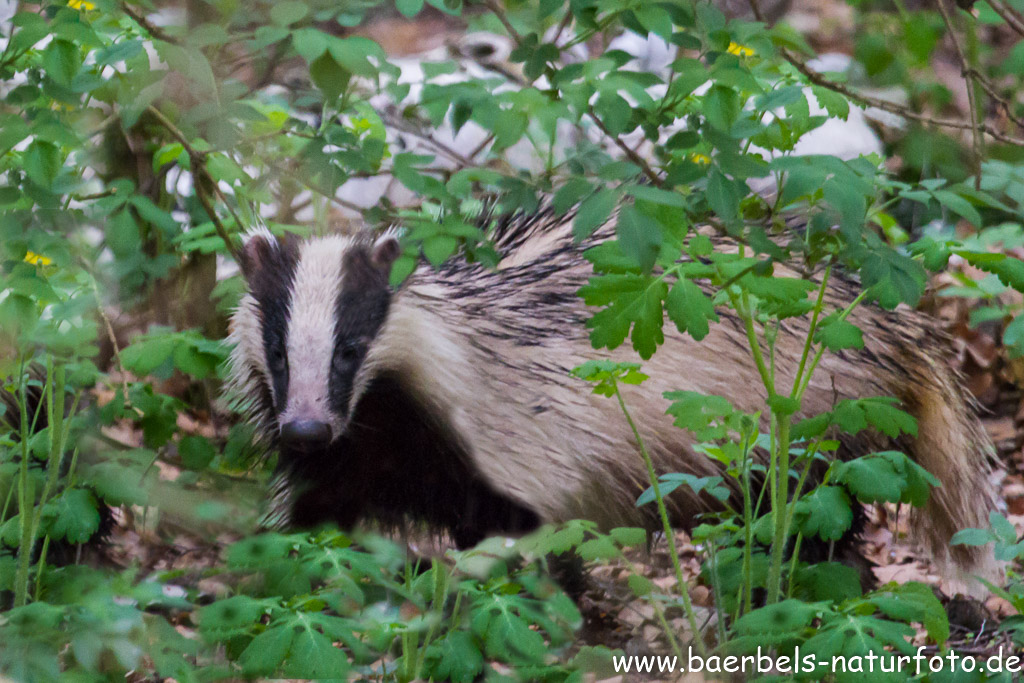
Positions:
(448, 400)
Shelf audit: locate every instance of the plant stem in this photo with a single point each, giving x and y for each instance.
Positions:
(670, 538)
(811, 330)
(25, 497)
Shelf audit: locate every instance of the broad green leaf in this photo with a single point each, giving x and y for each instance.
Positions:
(593, 212)
(690, 309)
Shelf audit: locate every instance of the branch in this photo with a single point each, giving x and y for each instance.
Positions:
(203, 181)
(154, 31)
(497, 10)
(627, 150)
(1012, 19)
(867, 101)
(969, 80)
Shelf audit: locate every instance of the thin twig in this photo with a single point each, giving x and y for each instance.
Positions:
(974, 75)
(562, 25)
(497, 10)
(1008, 15)
(627, 150)
(969, 80)
(154, 31)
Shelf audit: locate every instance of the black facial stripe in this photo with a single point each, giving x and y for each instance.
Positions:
(360, 312)
(271, 287)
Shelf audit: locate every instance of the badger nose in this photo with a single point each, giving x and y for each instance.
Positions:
(306, 434)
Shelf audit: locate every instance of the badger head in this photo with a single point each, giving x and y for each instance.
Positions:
(303, 330)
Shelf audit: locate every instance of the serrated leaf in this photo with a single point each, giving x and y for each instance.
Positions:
(312, 655)
(690, 309)
(825, 512)
(75, 516)
(457, 657)
(631, 301)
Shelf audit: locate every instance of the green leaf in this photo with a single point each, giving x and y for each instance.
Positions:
(145, 356)
(42, 162)
(288, 13)
(690, 309)
(721, 107)
(959, 206)
(409, 8)
(673, 480)
(871, 479)
(605, 374)
(973, 537)
(119, 52)
(914, 602)
(329, 77)
(614, 112)
(457, 657)
(196, 452)
(1013, 336)
(825, 512)
(75, 516)
(630, 301)
(567, 196)
(698, 412)
(438, 248)
(640, 585)
(267, 651)
(778, 622)
(893, 278)
(593, 212)
(835, 104)
(783, 405)
(640, 237)
(838, 334)
(232, 615)
(310, 43)
(62, 61)
(313, 656)
(827, 581)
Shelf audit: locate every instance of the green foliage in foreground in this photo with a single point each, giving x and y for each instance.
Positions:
(133, 151)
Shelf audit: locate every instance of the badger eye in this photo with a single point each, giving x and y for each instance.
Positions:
(277, 360)
(347, 354)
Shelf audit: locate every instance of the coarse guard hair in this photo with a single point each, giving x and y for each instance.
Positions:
(448, 400)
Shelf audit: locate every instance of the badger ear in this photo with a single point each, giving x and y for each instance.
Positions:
(384, 251)
(257, 253)
(263, 254)
(369, 267)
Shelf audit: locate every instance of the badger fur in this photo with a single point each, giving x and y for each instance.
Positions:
(449, 400)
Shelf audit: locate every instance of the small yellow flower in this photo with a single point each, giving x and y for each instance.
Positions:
(739, 50)
(81, 5)
(37, 259)
(700, 159)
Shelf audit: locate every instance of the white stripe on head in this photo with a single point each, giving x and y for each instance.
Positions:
(310, 337)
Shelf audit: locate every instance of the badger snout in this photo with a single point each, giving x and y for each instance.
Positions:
(305, 435)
